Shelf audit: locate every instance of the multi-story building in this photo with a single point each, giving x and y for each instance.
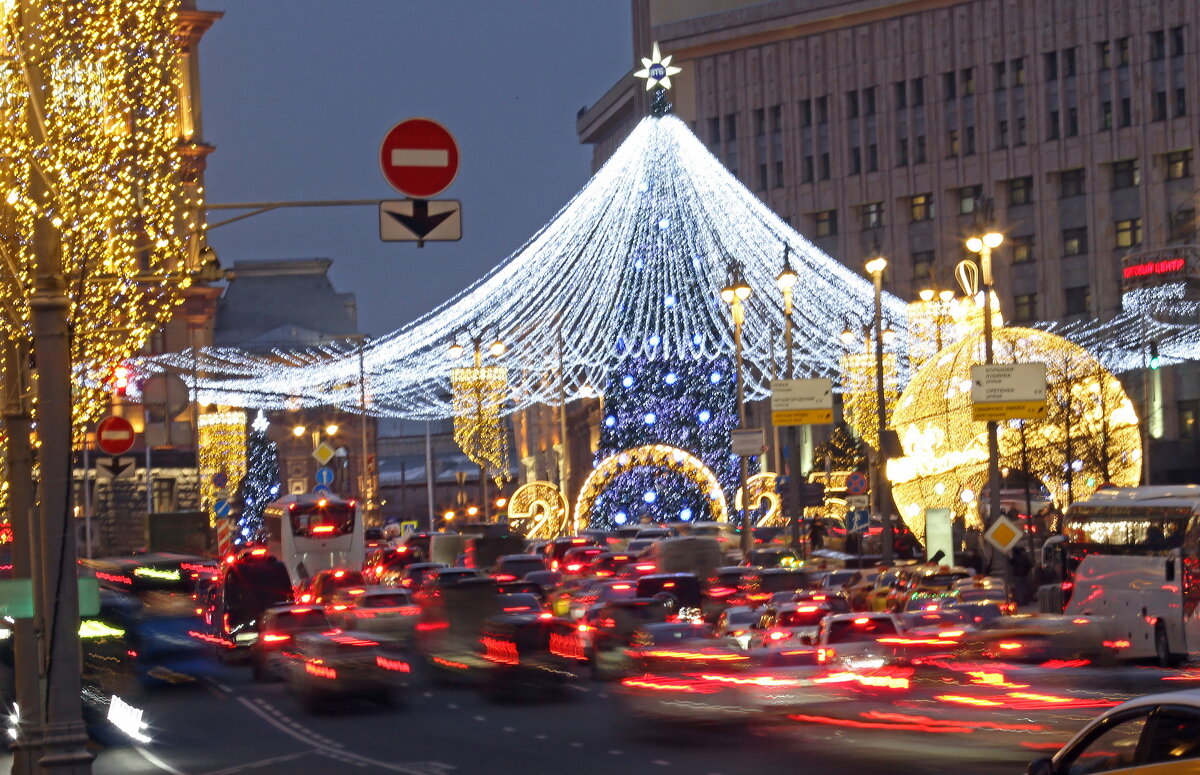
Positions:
(884, 126)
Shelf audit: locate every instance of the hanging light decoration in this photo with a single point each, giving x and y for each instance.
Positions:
(479, 395)
(222, 441)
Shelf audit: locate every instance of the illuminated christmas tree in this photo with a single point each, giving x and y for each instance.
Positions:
(260, 486)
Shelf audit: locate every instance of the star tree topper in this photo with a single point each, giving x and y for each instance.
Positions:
(657, 70)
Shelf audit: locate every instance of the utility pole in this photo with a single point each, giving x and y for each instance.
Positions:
(56, 587)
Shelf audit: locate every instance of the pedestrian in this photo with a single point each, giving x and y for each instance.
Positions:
(1021, 566)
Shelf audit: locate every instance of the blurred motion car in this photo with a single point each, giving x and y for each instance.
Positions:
(798, 622)
(736, 623)
(647, 645)
(388, 614)
(605, 630)
(280, 625)
(514, 567)
(577, 559)
(335, 665)
(326, 582)
(409, 577)
(599, 593)
(520, 663)
(1158, 734)
(756, 585)
(773, 557)
(851, 641)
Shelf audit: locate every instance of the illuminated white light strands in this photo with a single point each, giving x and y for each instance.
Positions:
(632, 266)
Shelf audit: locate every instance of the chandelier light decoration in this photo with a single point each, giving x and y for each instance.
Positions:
(94, 156)
(860, 401)
(479, 431)
(222, 440)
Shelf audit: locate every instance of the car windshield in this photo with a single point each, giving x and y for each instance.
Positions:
(295, 621)
(519, 603)
(940, 580)
(804, 616)
(521, 567)
(778, 582)
(863, 628)
(384, 601)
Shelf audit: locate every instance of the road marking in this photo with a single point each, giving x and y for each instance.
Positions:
(661, 762)
(579, 688)
(480, 718)
(615, 752)
(157, 762)
(577, 745)
(260, 763)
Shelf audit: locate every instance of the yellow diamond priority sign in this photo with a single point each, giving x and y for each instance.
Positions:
(324, 453)
(1004, 534)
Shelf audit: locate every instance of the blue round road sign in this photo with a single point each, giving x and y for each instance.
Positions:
(221, 508)
(321, 489)
(324, 476)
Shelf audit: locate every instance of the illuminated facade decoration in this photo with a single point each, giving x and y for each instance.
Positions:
(762, 488)
(1089, 437)
(860, 400)
(222, 441)
(479, 429)
(106, 178)
(650, 456)
(538, 510)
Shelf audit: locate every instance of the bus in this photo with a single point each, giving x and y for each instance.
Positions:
(1132, 554)
(311, 533)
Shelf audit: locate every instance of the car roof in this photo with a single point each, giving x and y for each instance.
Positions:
(534, 557)
(860, 615)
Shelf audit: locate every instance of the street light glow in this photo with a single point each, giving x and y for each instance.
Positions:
(456, 351)
(974, 244)
(331, 429)
(876, 265)
(298, 431)
(497, 349)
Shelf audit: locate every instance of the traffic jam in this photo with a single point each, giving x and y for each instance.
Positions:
(681, 634)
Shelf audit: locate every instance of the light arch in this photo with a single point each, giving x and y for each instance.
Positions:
(650, 455)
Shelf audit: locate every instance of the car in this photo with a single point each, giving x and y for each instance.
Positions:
(796, 622)
(758, 584)
(1158, 734)
(336, 664)
(850, 641)
(382, 562)
(388, 614)
(923, 580)
(577, 560)
(680, 592)
(325, 583)
(519, 660)
(834, 601)
(606, 629)
(720, 588)
(645, 648)
(438, 579)
(280, 624)
(520, 603)
(773, 557)
(558, 548)
(514, 567)
(735, 624)
(607, 564)
(639, 546)
(837, 579)
(601, 592)
(859, 586)
(410, 577)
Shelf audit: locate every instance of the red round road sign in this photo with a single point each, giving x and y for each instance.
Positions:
(114, 435)
(856, 483)
(419, 158)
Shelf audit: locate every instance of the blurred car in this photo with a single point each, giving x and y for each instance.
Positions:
(639, 546)
(680, 592)
(437, 579)
(519, 662)
(599, 593)
(797, 622)
(653, 533)
(850, 641)
(859, 585)
(773, 557)
(389, 561)
(410, 577)
(735, 623)
(605, 630)
(837, 579)
(514, 567)
(557, 549)
(607, 564)
(756, 585)
(997, 595)
(325, 583)
(326, 666)
(546, 579)
(834, 601)
(386, 613)
(720, 588)
(1158, 734)
(875, 598)
(520, 603)
(374, 538)
(923, 580)
(521, 588)
(647, 646)
(279, 626)
(577, 559)
(980, 614)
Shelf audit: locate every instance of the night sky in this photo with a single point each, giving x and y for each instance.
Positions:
(299, 93)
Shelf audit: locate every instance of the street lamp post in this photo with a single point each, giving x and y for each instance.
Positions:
(875, 268)
(983, 246)
(786, 280)
(734, 294)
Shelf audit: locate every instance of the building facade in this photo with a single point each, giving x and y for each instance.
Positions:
(885, 126)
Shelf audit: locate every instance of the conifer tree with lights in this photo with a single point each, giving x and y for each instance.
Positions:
(684, 403)
(260, 485)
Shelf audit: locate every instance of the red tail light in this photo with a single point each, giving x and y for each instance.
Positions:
(574, 567)
(779, 635)
(272, 637)
(546, 616)
(504, 577)
(322, 529)
(337, 574)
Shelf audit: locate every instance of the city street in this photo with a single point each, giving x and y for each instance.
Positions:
(233, 725)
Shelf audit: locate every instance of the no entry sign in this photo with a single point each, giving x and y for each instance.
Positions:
(114, 435)
(419, 158)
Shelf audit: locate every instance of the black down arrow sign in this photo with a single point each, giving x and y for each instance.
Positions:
(421, 223)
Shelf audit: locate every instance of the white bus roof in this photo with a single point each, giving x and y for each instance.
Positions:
(1187, 495)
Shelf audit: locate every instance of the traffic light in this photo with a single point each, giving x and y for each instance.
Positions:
(120, 380)
(1155, 361)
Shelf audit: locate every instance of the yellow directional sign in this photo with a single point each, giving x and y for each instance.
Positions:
(802, 417)
(1009, 410)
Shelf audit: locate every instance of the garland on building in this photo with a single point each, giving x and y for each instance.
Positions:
(683, 403)
(261, 483)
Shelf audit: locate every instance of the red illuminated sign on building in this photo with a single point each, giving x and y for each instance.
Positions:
(1166, 266)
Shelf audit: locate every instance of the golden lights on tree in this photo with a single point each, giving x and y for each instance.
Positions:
(479, 393)
(94, 156)
(1089, 437)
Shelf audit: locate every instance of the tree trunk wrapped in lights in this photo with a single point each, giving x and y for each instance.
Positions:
(479, 430)
(100, 141)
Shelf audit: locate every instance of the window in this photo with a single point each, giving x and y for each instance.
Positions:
(967, 76)
(922, 265)
(779, 174)
(1022, 250)
(855, 160)
(970, 141)
(1051, 66)
(953, 143)
(950, 85)
(163, 495)
(1002, 135)
(806, 170)
(869, 101)
(1158, 106)
(1126, 111)
(1069, 62)
(1104, 54)
(1072, 122)
(872, 158)
(822, 110)
(872, 215)
(1106, 115)
(968, 199)
(825, 165)
(1180, 102)
(1126, 174)
(1158, 44)
(920, 152)
(1025, 307)
(1177, 41)
(760, 122)
(762, 177)
(901, 89)
(776, 116)
(1183, 226)
(714, 130)
(852, 104)
(1071, 182)
(1018, 72)
(1020, 191)
(918, 92)
(1054, 125)
(731, 127)
(1075, 241)
(902, 155)
(1123, 51)
(999, 72)
(1179, 165)
(1189, 419)
(1129, 233)
(921, 207)
(1020, 130)
(806, 114)
(1077, 301)
(826, 223)
(1113, 748)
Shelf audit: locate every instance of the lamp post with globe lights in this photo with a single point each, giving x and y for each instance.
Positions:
(786, 281)
(734, 294)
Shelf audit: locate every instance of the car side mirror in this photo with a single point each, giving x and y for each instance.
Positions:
(1043, 766)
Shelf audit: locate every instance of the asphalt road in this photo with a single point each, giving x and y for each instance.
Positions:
(232, 725)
